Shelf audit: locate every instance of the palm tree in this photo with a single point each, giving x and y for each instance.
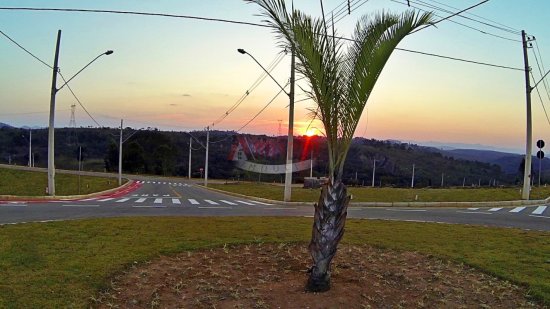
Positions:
(341, 79)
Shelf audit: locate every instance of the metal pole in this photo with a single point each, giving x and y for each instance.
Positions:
(528, 145)
(120, 156)
(79, 166)
(30, 148)
(311, 165)
(206, 163)
(373, 171)
(442, 179)
(540, 166)
(412, 179)
(289, 146)
(51, 133)
(190, 145)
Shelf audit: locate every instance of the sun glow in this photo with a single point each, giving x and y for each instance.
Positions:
(310, 132)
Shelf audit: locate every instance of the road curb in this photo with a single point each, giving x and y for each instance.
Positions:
(69, 197)
(396, 204)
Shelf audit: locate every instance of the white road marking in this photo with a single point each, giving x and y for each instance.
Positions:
(475, 212)
(539, 210)
(89, 199)
(246, 203)
(228, 202)
(215, 207)
(193, 201)
(14, 205)
(148, 182)
(149, 206)
(79, 205)
(406, 209)
(164, 183)
(155, 195)
(140, 200)
(262, 203)
(176, 201)
(211, 202)
(122, 200)
(546, 217)
(135, 194)
(106, 199)
(158, 201)
(495, 209)
(473, 208)
(517, 209)
(280, 208)
(145, 195)
(166, 195)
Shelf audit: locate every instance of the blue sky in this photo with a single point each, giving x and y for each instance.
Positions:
(182, 74)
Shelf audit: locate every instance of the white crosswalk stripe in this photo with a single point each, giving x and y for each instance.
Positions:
(262, 203)
(140, 200)
(193, 201)
(539, 210)
(211, 202)
(228, 202)
(176, 201)
(158, 201)
(246, 203)
(122, 200)
(106, 199)
(517, 209)
(495, 209)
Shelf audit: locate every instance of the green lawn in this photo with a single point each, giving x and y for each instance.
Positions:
(26, 183)
(64, 264)
(368, 194)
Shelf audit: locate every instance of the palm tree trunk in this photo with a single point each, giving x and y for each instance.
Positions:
(328, 229)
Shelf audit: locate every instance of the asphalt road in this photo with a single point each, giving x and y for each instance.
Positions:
(181, 198)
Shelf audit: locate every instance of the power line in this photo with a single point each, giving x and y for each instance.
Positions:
(541, 102)
(541, 71)
(26, 50)
(233, 22)
(76, 98)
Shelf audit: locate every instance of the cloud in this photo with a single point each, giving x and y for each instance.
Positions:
(173, 104)
(186, 95)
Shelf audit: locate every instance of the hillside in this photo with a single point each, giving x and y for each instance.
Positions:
(167, 153)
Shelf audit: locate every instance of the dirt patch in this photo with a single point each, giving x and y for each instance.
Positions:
(273, 276)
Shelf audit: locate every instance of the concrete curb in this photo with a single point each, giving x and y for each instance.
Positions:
(396, 204)
(68, 197)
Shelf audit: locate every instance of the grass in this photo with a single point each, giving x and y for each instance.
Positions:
(368, 194)
(64, 264)
(27, 183)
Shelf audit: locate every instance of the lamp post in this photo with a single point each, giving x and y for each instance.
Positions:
(290, 143)
(54, 90)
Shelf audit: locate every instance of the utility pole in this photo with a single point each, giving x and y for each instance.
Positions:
(190, 145)
(442, 179)
(51, 133)
(373, 170)
(206, 163)
(527, 170)
(412, 179)
(120, 156)
(311, 166)
(30, 148)
(289, 146)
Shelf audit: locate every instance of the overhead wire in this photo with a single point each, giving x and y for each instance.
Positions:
(24, 49)
(541, 67)
(541, 101)
(229, 21)
(78, 100)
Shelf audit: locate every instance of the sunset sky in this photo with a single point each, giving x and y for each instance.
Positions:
(184, 74)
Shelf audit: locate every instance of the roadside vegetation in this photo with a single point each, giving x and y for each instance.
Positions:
(27, 183)
(368, 194)
(67, 264)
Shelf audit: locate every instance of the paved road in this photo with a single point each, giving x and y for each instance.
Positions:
(180, 198)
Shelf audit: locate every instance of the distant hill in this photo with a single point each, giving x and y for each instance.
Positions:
(5, 125)
(509, 162)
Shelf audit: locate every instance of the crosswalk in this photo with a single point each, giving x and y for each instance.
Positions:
(174, 184)
(176, 201)
(535, 210)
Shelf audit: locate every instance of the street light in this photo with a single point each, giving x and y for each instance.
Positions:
(289, 146)
(54, 90)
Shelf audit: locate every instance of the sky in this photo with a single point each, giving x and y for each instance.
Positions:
(185, 74)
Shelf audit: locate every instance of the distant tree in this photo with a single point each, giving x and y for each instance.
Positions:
(133, 158)
(111, 158)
